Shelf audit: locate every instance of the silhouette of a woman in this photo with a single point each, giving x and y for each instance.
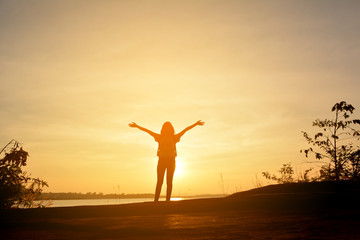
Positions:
(166, 152)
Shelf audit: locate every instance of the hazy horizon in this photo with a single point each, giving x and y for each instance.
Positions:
(75, 73)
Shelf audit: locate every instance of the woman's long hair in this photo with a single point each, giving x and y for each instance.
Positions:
(167, 129)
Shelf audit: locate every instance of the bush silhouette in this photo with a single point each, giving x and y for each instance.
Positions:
(335, 144)
(17, 188)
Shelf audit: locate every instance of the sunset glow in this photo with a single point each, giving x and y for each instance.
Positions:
(74, 74)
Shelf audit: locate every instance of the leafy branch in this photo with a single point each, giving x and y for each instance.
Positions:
(17, 188)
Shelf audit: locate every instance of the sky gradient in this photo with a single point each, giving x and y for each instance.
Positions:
(75, 73)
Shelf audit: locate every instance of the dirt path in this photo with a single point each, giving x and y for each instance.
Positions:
(204, 225)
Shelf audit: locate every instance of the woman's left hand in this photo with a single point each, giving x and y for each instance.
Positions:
(200, 123)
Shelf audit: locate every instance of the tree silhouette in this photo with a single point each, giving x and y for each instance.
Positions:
(335, 144)
(17, 188)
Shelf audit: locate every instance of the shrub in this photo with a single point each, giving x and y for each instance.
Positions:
(334, 143)
(17, 188)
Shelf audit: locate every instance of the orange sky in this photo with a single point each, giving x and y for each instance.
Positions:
(75, 73)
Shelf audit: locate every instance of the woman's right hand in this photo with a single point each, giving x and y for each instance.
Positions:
(133, 124)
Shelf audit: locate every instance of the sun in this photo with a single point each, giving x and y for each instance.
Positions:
(180, 170)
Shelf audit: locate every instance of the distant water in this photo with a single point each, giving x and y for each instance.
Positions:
(96, 202)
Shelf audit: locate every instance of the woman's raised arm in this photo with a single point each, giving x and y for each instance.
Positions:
(134, 125)
(180, 134)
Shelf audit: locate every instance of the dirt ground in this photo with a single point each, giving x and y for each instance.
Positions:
(204, 225)
(245, 216)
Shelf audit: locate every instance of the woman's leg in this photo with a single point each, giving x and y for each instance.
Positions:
(160, 179)
(169, 180)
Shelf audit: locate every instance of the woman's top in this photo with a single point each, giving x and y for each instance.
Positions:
(167, 145)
